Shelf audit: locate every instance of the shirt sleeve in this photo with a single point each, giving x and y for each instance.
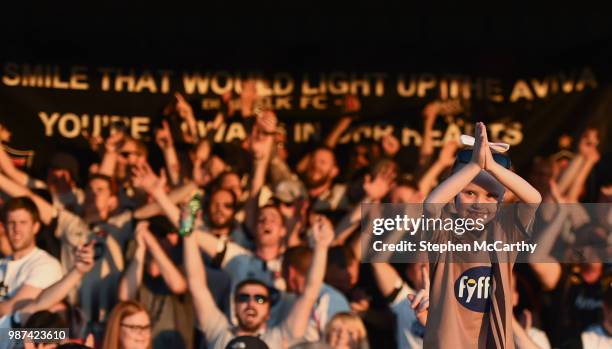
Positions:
(517, 220)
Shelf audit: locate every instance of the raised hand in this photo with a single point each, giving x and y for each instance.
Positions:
(430, 112)
(140, 233)
(95, 142)
(390, 144)
(144, 178)
(420, 300)
(260, 144)
(447, 153)
(267, 121)
(322, 232)
(163, 136)
(85, 258)
(555, 193)
(377, 188)
(182, 107)
(481, 146)
(113, 142)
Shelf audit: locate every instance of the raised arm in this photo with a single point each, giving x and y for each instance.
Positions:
(569, 174)
(164, 140)
(297, 320)
(591, 156)
(203, 300)
(178, 195)
(261, 142)
(376, 189)
(444, 161)
(111, 154)
(351, 106)
(447, 190)
(430, 112)
(169, 272)
(588, 141)
(13, 189)
(185, 112)
(132, 277)
(7, 166)
(60, 290)
(143, 177)
(387, 279)
(546, 267)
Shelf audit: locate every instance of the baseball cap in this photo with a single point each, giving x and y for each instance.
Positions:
(246, 342)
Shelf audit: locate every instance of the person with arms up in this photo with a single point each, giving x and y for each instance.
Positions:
(476, 189)
(252, 299)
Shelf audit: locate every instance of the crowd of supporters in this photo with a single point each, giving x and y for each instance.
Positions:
(274, 256)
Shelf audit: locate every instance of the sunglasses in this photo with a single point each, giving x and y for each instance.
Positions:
(465, 156)
(258, 298)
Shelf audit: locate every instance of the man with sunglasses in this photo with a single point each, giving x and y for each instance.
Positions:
(252, 298)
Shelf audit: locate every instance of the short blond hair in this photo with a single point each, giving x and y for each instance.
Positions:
(352, 320)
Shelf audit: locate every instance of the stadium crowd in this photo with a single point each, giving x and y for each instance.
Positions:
(273, 258)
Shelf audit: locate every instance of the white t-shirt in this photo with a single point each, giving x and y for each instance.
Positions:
(37, 269)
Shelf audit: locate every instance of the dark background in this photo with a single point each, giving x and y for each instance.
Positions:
(280, 35)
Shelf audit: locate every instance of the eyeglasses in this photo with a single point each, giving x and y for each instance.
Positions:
(245, 297)
(465, 156)
(138, 328)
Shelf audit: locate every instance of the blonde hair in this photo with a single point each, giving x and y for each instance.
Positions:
(354, 322)
(113, 325)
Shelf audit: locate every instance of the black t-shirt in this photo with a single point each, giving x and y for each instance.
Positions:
(575, 305)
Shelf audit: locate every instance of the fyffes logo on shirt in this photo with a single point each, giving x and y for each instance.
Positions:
(473, 289)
